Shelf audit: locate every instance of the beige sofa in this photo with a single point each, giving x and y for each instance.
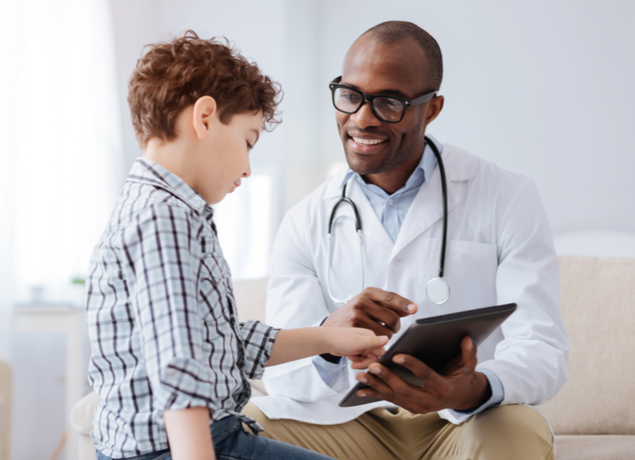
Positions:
(6, 387)
(593, 416)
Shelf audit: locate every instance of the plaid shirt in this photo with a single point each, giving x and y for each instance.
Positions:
(162, 317)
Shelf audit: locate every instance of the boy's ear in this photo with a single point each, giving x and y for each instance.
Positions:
(203, 113)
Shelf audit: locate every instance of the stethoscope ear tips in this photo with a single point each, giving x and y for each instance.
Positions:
(438, 291)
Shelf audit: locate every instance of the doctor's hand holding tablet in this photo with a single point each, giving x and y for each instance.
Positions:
(459, 387)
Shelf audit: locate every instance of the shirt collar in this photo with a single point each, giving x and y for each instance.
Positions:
(427, 164)
(145, 171)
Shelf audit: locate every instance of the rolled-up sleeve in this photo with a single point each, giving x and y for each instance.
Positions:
(166, 305)
(258, 339)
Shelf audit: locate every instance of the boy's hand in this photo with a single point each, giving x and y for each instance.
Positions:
(364, 360)
(359, 345)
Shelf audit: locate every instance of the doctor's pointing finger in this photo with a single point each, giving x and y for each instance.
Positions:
(374, 309)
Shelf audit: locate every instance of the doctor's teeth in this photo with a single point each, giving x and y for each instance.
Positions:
(368, 141)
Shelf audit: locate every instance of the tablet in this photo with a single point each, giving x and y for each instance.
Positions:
(436, 341)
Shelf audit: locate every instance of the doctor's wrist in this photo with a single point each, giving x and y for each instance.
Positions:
(480, 394)
(331, 358)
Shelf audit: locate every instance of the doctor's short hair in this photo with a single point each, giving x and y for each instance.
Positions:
(394, 31)
(172, 76)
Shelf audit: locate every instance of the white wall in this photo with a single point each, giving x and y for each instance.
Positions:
(542, 88)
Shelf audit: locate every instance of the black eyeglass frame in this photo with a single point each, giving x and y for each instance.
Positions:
(335, 84)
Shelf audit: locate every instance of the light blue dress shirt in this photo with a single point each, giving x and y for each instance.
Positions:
(392, 210)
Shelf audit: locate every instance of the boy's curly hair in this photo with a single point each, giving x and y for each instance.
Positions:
(171, 76)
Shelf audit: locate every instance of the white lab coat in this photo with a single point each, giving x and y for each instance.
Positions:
(499, 250)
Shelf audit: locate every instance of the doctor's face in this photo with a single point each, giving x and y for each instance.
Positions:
(373, 146)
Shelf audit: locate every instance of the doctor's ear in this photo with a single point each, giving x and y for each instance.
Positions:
(433, 108)
(203, 113)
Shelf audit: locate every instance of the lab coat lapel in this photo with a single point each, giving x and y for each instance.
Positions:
(427, 207)
(425, 210)
(371, 225)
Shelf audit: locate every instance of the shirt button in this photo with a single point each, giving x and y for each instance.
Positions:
(390, 202)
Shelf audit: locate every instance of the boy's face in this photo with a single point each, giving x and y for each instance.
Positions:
(224, 155)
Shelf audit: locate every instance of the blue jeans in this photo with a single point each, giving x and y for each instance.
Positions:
(232, 442)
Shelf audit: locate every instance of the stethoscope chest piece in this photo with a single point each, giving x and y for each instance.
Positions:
(438, 291)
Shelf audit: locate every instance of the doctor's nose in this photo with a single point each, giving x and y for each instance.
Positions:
(365, 117)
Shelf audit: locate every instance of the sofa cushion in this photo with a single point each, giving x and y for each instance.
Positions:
(598, 308)
(579, 447)
(6, 398)
(83, 412)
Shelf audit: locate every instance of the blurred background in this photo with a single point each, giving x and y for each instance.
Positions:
(542, 88)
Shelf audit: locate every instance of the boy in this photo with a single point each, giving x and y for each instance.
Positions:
(169, 357)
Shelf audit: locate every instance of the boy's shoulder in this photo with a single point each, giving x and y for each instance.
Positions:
(157, 215)
(153, 192)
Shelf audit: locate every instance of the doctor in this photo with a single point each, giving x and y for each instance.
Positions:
(499, 250)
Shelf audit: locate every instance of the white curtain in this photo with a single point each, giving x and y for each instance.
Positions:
(60, 147)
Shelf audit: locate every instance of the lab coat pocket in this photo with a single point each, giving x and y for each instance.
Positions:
(470, 272)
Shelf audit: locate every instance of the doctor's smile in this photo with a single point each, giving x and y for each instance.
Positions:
(366, 145)
(361, 141)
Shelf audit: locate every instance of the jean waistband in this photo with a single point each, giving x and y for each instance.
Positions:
(220, 430)
(225, 426)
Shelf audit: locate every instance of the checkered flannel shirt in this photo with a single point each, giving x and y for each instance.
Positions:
(162, 317)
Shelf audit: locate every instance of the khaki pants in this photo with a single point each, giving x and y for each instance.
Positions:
(505, 432)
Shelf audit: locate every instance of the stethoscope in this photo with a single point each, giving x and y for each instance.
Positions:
(437, 289)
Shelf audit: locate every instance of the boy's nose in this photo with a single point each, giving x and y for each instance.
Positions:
(248, 172)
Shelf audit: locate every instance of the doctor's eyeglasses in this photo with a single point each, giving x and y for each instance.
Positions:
(390, 109)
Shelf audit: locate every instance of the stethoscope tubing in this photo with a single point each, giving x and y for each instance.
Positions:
(444, 190)
(358, 229)
(345, 199)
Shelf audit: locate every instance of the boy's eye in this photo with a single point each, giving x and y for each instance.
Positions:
(249, 146)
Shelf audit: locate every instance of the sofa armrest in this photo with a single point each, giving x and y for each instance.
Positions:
(598, 309)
